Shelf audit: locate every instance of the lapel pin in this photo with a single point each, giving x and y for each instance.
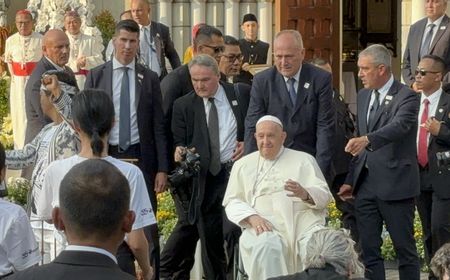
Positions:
(442, 27)
(441, 110)
(306, 85)
(140, 76)
(234, 102)
(386, 102)
(388, 97)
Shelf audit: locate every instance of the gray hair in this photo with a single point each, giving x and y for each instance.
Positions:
(206, 61)
(379, 53)
(336, 248)
(294, 33)
(441, 261)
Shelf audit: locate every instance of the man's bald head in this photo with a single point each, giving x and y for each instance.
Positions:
(56, 46)
(269, 136)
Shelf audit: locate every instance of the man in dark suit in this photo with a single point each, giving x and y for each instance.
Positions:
(300, 95)
(56, 49)
(211, 121)
(430, 35)
(139, 132)
(155, 42)
(433, 136)
(254, 50)
(384, 174)
(93, 213)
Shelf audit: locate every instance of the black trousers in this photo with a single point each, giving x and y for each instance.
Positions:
(125, 257)
(347, 208)
(177, 257)
(398, 215)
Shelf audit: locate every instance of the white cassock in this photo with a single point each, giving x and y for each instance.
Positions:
(88, 46)
(256, 187)
(21, 54)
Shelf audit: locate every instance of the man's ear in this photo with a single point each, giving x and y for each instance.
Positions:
(128, 221)
(57, 219)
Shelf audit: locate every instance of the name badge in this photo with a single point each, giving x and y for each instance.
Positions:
(388, 97)
(442, 27)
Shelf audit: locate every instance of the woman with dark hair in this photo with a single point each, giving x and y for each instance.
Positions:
(18, 248)
(92, 117)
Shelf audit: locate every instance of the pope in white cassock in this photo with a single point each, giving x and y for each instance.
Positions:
(85, 51)
(22, 52)
(279, 197)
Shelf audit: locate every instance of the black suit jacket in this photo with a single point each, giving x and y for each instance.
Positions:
(36, 119)
(189, 128)
(164, 47)
(440, 47)
(150, 119)
(310, 125)
(326, 273)
(438, 178)
(75, 265)
(391, 156)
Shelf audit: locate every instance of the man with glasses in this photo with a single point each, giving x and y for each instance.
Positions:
(384, 178)
(433, 136)
(430, 35)
(22, 52)
(231, 59)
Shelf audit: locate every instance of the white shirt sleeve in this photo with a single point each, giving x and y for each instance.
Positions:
(19, 242)
(140, 201)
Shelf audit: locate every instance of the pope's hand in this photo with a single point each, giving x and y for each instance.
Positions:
(259, 224)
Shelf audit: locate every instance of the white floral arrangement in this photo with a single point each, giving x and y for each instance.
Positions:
(49, 14)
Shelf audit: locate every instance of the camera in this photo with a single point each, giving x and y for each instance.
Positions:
(443, 159)
(188, 167)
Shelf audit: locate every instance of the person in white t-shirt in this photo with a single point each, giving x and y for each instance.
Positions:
(18, 248)
(93, 116)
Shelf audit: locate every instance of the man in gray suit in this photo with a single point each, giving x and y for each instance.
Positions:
(430, 35)
(93, 213)
(384, 177)
(300, 95)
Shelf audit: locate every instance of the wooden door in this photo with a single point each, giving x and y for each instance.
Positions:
(319, 23)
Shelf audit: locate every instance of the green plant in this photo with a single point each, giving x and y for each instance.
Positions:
(105, 22)
(6, 136)
(4, 96)
(18, 190)
(166, 216)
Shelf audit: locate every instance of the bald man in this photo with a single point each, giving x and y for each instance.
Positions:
(55, 48)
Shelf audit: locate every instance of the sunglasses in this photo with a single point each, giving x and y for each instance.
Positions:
(423, 72)
(233, 57)
(217, 49)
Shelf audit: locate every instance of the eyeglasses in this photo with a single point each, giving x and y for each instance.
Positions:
(233, 57)
(424, 72)
(217, 49)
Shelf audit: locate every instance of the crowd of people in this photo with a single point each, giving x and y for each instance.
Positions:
(259, 157)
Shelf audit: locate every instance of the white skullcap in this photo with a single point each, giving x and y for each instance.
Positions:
(270, 118)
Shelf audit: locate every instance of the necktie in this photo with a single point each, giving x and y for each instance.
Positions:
(425, 48)
(422, 153)
(214, 142)
(292, 93)
(124, 117)
(374, 109)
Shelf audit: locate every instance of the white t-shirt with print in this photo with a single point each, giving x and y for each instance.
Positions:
(139, 199)
(18, 248)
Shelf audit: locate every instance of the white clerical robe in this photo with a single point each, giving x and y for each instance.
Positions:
(21, 54)
(256, 186)
(84, 45)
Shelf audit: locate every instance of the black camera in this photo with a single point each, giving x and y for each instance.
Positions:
(443, 159)
(187, 168)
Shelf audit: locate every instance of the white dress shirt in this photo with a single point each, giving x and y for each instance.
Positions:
(432, 107)
(117, 84)
(227, 124)
(296, 77)
(148, 52)
(437, 24)
(91, 249)
(383, 92)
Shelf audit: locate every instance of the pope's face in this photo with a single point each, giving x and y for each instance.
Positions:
(269, 138)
